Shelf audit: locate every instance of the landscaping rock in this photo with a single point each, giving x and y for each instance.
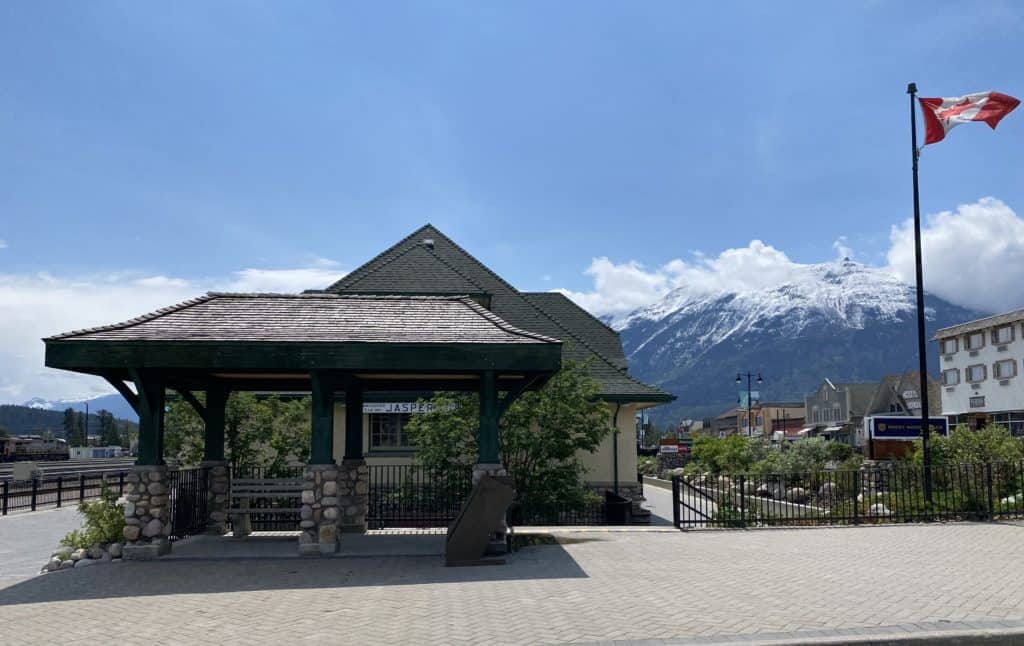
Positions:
(764, 491)
(78, 554)
(67, 565)
(828, 490)
(797, 495)
(95, 552)
(131, 532)
(85, 562)
(115, 550)
(53, 564)
(878, 509)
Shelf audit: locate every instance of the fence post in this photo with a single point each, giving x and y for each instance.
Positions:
(81, 487)
(856, 495)
(35, 489)
(60, 488)
(743, 506)
(120, 484)
(5, 498)
(988, 486)
(676, 521)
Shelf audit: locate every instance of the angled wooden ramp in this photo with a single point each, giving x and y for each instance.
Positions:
(481, 516)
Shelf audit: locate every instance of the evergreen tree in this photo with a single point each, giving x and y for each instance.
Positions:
(70, 428)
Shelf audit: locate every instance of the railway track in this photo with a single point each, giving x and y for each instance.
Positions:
(73, 467)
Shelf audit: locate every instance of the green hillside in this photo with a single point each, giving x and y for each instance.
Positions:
(22, 420)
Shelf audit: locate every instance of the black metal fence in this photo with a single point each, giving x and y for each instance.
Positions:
(895, 494)
(56, 491)
(187, 499)
(275, 521)
(584, 513)
(412, 496)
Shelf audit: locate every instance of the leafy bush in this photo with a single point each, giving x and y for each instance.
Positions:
(647, 465)
(964, 446)
(104, 521)
(732, 454)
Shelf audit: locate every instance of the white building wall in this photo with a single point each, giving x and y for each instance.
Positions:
(1000, 395)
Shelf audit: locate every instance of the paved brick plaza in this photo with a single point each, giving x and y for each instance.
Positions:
(610, 585)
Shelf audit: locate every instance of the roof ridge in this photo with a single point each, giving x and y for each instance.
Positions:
(338, 283)
(142, 318)
(600, 355)
(403, 253)
(502, 324)
(314, 295)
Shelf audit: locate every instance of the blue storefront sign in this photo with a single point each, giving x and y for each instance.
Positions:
(904, 428)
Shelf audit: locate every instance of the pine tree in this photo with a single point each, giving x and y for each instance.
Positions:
(70, 428)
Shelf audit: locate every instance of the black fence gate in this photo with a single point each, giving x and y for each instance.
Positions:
(187, 505)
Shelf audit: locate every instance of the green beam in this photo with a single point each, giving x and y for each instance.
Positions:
(353, 420)
(151, 399)
(96, 356)
(489, 452)
(213, 442)
(322, 437)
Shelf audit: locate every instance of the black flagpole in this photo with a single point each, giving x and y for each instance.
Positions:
(922, 347)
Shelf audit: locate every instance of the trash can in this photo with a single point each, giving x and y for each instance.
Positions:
(617, 509)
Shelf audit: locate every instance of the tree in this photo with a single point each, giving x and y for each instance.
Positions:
(108, 428)
(542, 434)
(3, 432)
(71, 427)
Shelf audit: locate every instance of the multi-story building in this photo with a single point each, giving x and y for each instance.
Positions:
(836, 410)
(764, 418)
(979, 362)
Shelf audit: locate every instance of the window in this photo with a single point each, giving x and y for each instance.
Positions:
(976, 373)
(949, 346)
(1002, 335)
(950, 377)
(387, 432)
(974, 340)
(1005, 369)
(978, 402)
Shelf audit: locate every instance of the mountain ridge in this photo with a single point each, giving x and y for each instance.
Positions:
(842, 320)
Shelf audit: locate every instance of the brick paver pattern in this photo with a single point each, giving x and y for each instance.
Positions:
(594, 586)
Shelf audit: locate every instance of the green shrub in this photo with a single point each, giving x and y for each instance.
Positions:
(103, 521)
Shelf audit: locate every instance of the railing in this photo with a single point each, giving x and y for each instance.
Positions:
(270, 522)
(187, 499)
(55, 491)
(984, 491)
(412, 496)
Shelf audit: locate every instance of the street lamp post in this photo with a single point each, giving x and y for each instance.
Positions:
(739, 380)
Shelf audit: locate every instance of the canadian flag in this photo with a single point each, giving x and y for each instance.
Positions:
(941, 115)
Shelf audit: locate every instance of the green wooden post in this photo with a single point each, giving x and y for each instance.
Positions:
(213, 442)
(322, 438)
(488, 435)
(150, 388)
(353, 420)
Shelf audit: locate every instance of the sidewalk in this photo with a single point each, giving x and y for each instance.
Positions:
(843, 585)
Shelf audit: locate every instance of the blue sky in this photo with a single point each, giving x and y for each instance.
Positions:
(188, 142)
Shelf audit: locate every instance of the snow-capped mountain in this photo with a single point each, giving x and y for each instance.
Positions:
(114, 403)
(841, 320)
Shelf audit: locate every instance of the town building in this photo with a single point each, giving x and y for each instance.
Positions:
(980, 362)
(836, 410)
(765, 418)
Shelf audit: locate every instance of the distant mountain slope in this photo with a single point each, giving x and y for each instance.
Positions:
(841, 320)
(25, 420)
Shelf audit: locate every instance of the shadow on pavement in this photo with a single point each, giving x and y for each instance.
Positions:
(244, 574)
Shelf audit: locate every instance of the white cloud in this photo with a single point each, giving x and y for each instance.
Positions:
(973, 256)
(3, 243)
(33, 306)
(621, 288)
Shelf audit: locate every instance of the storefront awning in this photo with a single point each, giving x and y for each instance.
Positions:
(832, 429)
(806, 431)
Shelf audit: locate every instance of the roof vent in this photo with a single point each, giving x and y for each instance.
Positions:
(428, 243)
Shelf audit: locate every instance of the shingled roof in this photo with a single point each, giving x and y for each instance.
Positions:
(312, 318)
(401, 269)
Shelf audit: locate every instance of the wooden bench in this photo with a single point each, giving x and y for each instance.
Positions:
(245, 490)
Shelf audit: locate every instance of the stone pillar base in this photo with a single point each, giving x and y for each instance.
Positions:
(146, 552)
(497, 544)
(218, 495)
(319, 512)
(353, 496)
(147, 512)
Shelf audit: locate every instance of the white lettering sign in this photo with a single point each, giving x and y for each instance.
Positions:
(397, 407)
